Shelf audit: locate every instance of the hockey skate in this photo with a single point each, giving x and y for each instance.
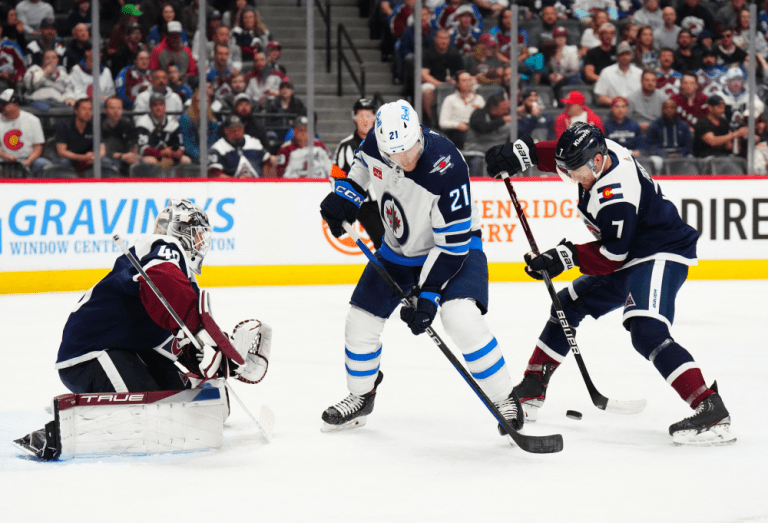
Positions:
(42, 444)
(532, 391)
(710, 425)
(512, 411)
(352, 411)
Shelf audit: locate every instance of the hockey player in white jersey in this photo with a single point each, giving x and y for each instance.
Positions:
(432, 248)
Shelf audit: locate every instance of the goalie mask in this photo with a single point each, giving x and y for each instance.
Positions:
(187, 222)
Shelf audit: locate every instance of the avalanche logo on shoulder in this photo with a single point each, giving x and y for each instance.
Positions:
(394, 218)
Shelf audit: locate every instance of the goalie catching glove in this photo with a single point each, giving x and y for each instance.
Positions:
(253, 340)
(513, 158)
(554, 261)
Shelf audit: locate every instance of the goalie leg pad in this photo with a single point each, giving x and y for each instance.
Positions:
(468, 329)
(363, 349)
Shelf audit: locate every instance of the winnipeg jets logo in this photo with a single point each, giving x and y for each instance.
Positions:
(442, 164)
(394, 219)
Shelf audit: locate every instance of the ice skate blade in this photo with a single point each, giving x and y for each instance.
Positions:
(715, 436)
(352, 424)
(531, 412)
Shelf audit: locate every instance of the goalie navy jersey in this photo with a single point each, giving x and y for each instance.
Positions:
(111, 314)
(429, 215)
(631, 218)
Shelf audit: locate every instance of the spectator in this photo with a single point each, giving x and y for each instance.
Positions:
(728, 53)
(618, 79)
(285, 104)
(691, 104)
(646, 53)
(262, 85)
(575, 111)
(13, 28)
(645, 103)
(81, 37)
(602, 56)
(233, 17)
(46, 41)
(12, 63)
(189, 123)
(171, 50)
(583, 8)
(458, 107)
(446, 15)
(250, 34)
(32, 13)
(687, 57)
(727, 15)
(548, 21)
(237, 155)
(736, 97)
(173, 103)
(503, 35)
(119, 136)
(484, 63)
(666, 35)
(531, 121)
(158, 31)
(74, 139)
(159, 136)
(292, 160)
(629, 31)
(399, 18)
(621, 129)
(50, 85)
(491, 8)
(705, 40)
(467, 30)
(441, 62)
(563, 62)
(119, 33)
(82, 78)
(218, 72)
(488, 124)
(698, 13)
(243, 107)
(177, 84)
(712, 136)
(216, 33)
(668, 136)
(761, 147)
(668, 80)
(22, 136)
(79, 14)
(274, 51)
(126, 54)
(741, 37)
(190, 14)
(650, 15)
(406, 45)
(590, 37)
(134, 79)
(710, 75)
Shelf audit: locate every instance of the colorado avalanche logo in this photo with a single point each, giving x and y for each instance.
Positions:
(12, 140)
(394, 218)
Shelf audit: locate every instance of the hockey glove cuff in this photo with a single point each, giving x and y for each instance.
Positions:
(554, 261)
(420, 316)
(342, 205)
(513, 158)
(205, 362)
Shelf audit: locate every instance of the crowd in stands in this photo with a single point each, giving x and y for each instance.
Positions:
(664, 78)
(149, 92)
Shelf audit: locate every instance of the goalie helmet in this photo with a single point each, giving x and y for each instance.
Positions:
(397, 129)
(577, 147)
(187, 222)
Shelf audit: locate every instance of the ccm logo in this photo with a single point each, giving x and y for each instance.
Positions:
(350, 195)
(111, 398)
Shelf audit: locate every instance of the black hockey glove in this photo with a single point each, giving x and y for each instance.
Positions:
(420, 315)
(554, 261)
(513, 158)
(342, 205)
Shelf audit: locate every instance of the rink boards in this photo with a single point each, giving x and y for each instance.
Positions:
(56, 236)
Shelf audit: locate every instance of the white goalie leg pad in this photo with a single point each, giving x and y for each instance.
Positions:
(362, 354)
(128, 423)
(467, 328)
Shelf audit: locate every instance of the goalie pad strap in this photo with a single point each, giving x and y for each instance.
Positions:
(210, 325)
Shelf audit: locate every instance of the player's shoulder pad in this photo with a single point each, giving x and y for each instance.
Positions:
(160, 248)
(441, 164)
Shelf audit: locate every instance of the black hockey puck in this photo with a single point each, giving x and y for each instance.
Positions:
(573, 414)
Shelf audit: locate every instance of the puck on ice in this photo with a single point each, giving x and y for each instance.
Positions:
(573, 414)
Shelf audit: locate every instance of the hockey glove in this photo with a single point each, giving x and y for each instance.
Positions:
(422, 313)
(206, 362)
(513, 158)
(554, 261)
(253, 340)
(342, 205)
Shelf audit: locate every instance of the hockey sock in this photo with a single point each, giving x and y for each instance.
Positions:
(691, 387)
(540, 358)
(363, 350)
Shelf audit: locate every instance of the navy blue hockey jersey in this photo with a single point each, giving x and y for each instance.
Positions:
(111, 314)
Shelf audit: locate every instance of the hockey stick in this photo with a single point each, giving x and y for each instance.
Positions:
(534, 444)
(267, 416)
(600, 401)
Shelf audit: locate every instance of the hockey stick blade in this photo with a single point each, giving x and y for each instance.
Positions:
(533, 444)
(266, 421)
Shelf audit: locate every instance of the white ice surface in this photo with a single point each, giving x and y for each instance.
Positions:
(430, 450)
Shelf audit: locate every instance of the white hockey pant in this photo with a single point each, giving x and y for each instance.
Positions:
(363, 349)
(467, 328)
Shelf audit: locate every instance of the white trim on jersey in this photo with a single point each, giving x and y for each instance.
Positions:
(681, 369)
(111, 371)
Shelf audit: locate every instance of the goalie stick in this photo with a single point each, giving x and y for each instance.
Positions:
(534, 444)
(600, 401)
(267, 417)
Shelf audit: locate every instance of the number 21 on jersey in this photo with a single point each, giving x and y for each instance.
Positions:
(457, 200)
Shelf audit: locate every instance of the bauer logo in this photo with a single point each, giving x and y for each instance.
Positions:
(345, 244)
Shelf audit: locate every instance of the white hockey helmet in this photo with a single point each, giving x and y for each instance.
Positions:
(397, 129)
(187, 222)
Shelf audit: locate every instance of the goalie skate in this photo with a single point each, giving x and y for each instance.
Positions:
(352, 411)
(710, 425)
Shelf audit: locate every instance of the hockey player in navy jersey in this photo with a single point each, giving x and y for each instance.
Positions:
(433, 249)
(639, 261)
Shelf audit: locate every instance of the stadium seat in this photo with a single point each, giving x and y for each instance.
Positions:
(189, 170)
(546, 95)
(725, 165)
(680, 166)
(145, 170)
(59, 171)
(442, 92)
(14, 170)
(487, 90)
(603, 112)
(49, 151)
